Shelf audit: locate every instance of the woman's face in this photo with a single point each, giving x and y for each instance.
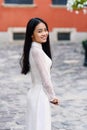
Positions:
(40, 33)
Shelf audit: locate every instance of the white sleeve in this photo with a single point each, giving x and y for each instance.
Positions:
(44, 73)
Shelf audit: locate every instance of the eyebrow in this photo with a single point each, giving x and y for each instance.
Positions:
(39, 29)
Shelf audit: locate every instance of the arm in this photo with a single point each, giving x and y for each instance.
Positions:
(44, 73)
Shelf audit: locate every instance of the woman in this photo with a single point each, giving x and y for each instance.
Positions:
(37, 59)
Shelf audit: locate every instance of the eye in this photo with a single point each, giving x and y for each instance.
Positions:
(39, 31)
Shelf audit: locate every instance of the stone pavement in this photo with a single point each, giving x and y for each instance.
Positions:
(69, 77)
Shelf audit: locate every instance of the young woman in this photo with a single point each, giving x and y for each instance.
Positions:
(37, 59)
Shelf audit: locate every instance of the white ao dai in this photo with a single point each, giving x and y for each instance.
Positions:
(38, 97)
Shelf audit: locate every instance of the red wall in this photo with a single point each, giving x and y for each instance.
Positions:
(55, 17)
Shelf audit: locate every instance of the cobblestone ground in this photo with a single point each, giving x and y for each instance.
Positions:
(69, 77)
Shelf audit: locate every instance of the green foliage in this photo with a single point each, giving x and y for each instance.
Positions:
(85, 41)
(78, 4)
(84, 44)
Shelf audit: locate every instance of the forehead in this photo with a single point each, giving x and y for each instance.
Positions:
(40, 26)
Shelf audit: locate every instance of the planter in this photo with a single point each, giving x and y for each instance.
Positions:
(84, 44)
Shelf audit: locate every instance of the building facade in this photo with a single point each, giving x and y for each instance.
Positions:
(64, 26)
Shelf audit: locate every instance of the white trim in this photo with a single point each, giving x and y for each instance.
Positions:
(19, 5)
(76, 37)
(12, 30)
(71, 30)
(4, 37)
(57, 6)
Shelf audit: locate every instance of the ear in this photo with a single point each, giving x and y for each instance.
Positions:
(32, 37)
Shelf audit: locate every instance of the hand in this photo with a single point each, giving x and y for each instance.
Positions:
(55, 101)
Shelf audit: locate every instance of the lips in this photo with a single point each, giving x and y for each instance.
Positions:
(44, 38)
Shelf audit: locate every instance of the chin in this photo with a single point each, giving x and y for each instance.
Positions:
(44, 41)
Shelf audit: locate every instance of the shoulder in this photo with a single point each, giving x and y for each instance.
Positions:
(36, 52)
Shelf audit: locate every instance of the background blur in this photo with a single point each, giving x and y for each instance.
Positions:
(69, 76)
(64, 26)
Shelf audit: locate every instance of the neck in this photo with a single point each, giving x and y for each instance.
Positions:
(36, 44)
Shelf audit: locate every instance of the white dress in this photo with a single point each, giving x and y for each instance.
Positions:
(38, 97)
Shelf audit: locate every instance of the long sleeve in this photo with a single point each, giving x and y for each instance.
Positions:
(41, 64)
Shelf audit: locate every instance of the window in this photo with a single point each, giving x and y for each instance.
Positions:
(19, 1)
(59, 2)
(18, 36)
(63, 36)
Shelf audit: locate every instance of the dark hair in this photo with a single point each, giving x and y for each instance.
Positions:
(28, 42)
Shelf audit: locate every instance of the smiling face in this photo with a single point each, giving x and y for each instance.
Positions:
(40, 33)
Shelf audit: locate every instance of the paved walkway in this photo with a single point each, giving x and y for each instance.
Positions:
(69, 77)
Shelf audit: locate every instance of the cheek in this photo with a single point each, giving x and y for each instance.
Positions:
(47, 33)
(34, 36)
(39, 35)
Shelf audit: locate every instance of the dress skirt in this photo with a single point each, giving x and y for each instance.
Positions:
(38, 115)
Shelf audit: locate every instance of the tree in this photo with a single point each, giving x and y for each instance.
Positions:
(77, 5)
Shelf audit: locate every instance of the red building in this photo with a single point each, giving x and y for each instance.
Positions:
(63, 25)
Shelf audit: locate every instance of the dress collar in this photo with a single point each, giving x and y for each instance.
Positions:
(36, 44)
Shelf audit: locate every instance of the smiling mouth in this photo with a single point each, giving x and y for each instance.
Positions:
(44, 38)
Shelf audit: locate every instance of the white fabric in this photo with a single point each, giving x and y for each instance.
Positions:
(38, 107)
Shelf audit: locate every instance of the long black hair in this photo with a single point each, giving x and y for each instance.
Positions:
(25, 64)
